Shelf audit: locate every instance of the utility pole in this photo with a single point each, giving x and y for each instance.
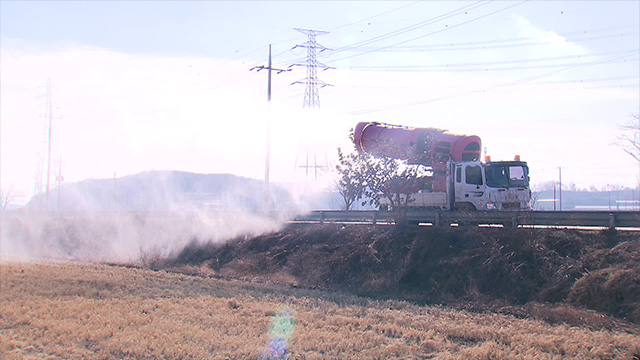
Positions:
(555, 200)
(311, 94)
(269, 68)
(50, 110)
(560, 186)
(115, 191)
(59, 180)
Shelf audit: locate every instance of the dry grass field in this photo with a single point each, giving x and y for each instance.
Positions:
(82, 311)
(486, 268)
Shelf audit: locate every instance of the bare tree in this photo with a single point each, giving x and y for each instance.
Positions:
(376, 180)
(391, 179)
(351, 177)
(534, 199)
(6, 198)
(546, 186)
(629, 141)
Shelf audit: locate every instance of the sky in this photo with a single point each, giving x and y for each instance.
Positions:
(132, 86)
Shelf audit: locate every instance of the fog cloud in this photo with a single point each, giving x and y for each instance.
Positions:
(122, 237)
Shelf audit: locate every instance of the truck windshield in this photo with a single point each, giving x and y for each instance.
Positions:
(506, 175)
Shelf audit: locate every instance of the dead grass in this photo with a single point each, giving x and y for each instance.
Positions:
(78, 311)
(488, 268)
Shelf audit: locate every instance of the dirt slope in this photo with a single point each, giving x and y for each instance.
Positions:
(471, 267)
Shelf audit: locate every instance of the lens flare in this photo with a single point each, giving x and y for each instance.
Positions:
(280, 331)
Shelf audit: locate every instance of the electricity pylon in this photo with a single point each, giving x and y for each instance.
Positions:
(311, 94)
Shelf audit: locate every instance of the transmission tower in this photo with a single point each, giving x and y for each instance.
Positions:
(311, 94)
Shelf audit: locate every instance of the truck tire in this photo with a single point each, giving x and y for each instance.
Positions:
(464, 207)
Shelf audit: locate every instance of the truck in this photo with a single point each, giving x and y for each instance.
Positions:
(454, 176)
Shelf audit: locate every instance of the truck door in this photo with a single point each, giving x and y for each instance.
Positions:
(471, 187)
(457, 183)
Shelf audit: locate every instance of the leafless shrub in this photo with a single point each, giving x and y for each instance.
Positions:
(151, 258)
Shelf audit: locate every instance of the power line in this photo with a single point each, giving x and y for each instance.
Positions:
(484, 45)
(487, 66)
(507, 84)
(591, 80)
(495, 44)
(399, 31)
(433, 32)
(349, 24)
(360, 44)
(413, 27)
(375, 16)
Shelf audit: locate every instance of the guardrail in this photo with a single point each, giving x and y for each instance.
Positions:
(597, 219)
(601, 219)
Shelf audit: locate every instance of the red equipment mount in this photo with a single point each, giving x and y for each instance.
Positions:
(426, 146)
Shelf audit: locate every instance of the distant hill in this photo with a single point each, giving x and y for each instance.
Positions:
(162, 190)
(170, 190)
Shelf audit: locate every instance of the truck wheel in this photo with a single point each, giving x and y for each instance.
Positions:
(464, 207)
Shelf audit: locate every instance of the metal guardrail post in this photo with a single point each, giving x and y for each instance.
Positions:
(436, 223)
(612, 221)
(375, 218)
(321, 221)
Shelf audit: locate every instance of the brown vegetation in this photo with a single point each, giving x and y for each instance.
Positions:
(469, 267)
(77, 311)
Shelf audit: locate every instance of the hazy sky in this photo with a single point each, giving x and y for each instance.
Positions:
(144, 85)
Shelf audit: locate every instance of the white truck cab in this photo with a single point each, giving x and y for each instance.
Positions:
(500, 185)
